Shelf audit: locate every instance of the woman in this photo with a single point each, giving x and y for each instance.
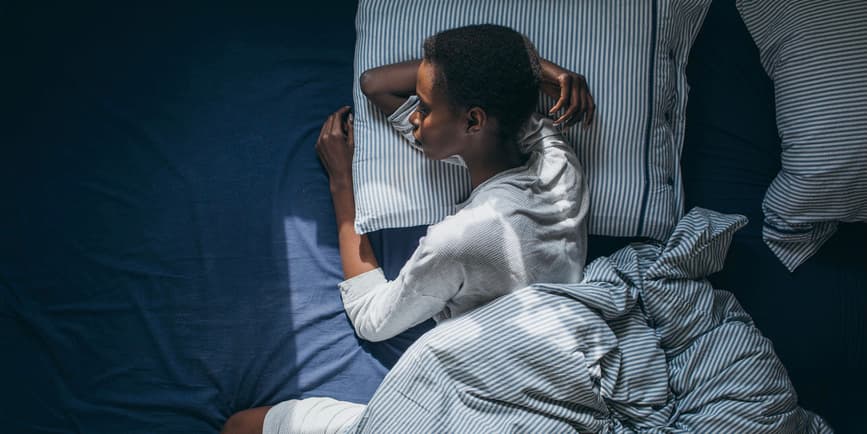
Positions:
(469, 101)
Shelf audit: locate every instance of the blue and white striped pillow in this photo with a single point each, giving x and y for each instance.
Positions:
(816, 54)
(633, 54)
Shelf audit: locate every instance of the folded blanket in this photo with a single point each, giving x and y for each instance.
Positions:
(643, 344)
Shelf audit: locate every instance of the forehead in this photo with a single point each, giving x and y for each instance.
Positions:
(424, 86)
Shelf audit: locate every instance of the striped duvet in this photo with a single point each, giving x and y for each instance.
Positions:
(643, 344)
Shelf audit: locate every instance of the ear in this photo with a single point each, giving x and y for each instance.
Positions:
(477, 120)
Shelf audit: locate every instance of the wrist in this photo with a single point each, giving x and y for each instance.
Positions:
(341, 184)
(548, 71)
(344, 202)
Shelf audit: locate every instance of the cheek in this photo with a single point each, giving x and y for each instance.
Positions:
(426, 130)
(434, 132)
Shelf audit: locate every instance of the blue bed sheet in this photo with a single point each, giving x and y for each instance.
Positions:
(169, 252)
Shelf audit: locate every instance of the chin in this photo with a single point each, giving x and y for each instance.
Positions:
(429, 156)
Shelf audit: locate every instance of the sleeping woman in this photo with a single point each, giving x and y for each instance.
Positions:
(469, 101)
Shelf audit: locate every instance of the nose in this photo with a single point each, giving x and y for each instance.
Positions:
(415, 120)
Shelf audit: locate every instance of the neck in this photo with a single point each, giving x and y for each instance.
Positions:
(480, 173)
(478, 176)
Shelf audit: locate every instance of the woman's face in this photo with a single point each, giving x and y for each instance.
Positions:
(438, 129)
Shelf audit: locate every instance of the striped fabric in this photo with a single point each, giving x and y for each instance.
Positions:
(633, 54)
(644, 343)
(816, 54)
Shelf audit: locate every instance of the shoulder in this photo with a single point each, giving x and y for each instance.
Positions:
(539, 132)
(466, 230)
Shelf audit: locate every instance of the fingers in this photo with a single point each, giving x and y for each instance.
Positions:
(335, 144)
(571, 96)
(565, 83)
(329, 125)
(580, 95)
(575, 109)
(558, 105)
(336, 120)
(350, 132)
(587, 104)
(576, 98)
(323, 130)
(591, 109)
(333, 123)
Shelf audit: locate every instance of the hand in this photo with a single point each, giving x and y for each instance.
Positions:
(335, 147)
(571, 92)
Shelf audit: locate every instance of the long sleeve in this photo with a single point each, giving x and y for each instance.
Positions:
(380, 309)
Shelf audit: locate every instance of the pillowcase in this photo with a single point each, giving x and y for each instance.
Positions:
(633, 54)
(816, 54)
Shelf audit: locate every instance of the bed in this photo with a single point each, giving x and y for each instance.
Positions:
(169, 251)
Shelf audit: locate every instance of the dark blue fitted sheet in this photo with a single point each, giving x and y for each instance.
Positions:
(169, 252)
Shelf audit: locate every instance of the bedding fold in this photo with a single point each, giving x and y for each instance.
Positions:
(643, 344)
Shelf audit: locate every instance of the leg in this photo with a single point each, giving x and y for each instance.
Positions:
(246, 422)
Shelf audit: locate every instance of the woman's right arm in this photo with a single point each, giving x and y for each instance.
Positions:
(380, 309)
(389, 86)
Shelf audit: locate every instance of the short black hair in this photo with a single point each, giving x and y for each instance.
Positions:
(488, 66)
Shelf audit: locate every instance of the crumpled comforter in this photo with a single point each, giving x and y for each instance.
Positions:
(643, 344)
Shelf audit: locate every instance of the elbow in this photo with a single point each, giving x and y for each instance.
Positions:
(367, 82)
(372, 334)
(374, 338)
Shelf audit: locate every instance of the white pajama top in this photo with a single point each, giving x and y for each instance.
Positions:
(523, 225)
